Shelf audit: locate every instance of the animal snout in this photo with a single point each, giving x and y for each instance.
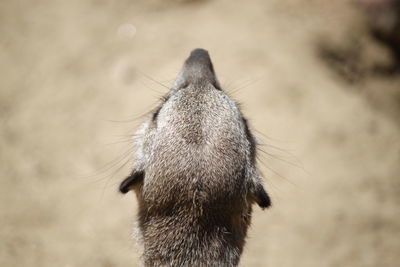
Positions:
(197, 69)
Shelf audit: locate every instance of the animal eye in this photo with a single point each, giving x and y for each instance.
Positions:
(155, 114)
(184, 85)
(217, 86)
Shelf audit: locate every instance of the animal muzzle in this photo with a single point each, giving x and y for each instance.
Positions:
(197, 69)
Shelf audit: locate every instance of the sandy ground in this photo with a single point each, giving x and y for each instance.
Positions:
(77, 75)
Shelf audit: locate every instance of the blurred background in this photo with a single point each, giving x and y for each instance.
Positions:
(318, 80)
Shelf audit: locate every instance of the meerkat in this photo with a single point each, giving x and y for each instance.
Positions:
(195, 174)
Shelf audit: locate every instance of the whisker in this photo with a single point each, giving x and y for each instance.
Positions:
(276, 173)
(271, 138)
(283, 160)
(250, 82)
(153, 80)
(103, 170)
(113, 175)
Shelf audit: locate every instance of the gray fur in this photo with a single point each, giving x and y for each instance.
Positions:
(194, 174)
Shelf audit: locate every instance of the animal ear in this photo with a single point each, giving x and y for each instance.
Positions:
(262, 198)
(130, 181)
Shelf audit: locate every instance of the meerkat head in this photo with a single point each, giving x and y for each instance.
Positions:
(197, 73)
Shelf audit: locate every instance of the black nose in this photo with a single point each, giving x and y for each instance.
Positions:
(197, 68)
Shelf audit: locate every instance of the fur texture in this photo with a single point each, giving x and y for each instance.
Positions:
(194, 174)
